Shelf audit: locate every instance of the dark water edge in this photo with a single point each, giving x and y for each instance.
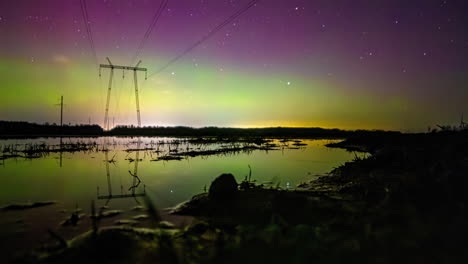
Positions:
(404, 203)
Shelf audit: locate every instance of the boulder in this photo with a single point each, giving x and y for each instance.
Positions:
(223, 187)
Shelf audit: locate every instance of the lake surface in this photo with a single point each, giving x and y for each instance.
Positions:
(74, 179)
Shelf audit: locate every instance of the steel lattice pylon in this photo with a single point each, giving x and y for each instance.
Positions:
(112, 67)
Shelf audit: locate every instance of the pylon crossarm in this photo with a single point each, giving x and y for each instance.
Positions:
(129, 68)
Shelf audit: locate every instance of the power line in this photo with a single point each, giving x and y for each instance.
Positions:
(84, 12)
(151, 26)
(207, 36)
(90, 34)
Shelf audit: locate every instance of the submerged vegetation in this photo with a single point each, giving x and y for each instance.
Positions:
(39, 150)
(165, 149)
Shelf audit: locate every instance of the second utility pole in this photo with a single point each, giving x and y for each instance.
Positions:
(61, 111)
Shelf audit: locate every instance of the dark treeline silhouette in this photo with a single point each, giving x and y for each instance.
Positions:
(15, 128)
(313, 132)
(26, 129)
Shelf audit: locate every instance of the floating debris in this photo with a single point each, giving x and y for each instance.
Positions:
(24, 206)
(4, 157)
(166, 225)
(140, 217)
(139, 149)
(138, 208)
(299, 144)
(133, 160)
(109, 213)
(166, 158)
(126, 222)
(73, 219)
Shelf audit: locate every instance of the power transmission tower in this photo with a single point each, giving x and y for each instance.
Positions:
(112, 67)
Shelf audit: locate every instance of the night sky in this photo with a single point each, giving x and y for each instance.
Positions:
(371, 64)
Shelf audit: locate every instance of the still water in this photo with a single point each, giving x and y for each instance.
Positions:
(74, 179)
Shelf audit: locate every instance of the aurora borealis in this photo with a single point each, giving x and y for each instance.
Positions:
(367, 64)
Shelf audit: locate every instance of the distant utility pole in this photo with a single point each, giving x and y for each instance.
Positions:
(123, 68)
(61, 110)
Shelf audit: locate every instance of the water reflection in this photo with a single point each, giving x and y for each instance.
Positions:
(117, 172)
(136, 181)
(85, 162)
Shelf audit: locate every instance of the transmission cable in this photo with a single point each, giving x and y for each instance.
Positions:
(207, 36)
(84, 12)
(151, 26)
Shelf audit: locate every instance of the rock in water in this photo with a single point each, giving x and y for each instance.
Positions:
(223, 187)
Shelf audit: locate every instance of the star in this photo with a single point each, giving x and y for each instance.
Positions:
(288, 83)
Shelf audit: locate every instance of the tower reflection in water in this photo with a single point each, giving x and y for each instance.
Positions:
(136, 181)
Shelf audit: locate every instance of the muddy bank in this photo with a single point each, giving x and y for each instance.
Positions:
(405, 202)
